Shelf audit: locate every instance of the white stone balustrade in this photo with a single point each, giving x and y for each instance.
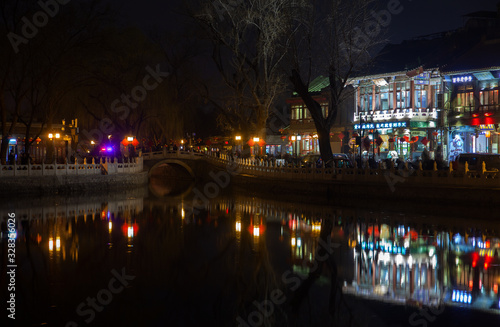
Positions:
(112, 167)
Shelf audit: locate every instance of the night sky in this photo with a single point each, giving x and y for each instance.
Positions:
(419, 17)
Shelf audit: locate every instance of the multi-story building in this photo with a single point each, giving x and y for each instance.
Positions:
(471, 100)
(302, 131)
(400, 110)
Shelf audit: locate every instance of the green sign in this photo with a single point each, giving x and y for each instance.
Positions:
(423, 124)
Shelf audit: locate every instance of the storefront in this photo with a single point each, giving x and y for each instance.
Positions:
(396, 139)
(473, 139)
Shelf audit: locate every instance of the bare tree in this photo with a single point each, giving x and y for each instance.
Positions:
(39, 59)
(338, 39)
(248, 41)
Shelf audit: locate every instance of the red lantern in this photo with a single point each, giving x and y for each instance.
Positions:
(355, 134)
(424, 141)
(262, 142)
(251, 142)
(125, 142)
(283, 137)
(341, 135)
(402, 140)
(391, 140)
(406, 138)
(414, 139)
(379, 141)
(135, 142)
(435, 133)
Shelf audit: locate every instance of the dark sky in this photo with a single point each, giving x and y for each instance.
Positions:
(418, 17)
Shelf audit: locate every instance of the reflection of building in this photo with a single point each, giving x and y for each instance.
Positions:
(398, 263)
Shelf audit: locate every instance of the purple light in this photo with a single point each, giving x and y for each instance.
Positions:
(109, 149)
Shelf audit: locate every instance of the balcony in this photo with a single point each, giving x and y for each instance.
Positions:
(412, 114)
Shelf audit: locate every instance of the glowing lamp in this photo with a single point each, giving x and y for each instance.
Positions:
(51, 135)
(256, 139)
(130, 138)
(237, 138)
(292, 138)
(487, 133)
(475, 115)
(58, 135)
(487, 114)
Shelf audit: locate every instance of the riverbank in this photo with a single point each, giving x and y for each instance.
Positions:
(14, 186)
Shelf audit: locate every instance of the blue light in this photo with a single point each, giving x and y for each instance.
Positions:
(461, 297)
(109, 149)
(404, 251)
(470, 299)
(453, 298)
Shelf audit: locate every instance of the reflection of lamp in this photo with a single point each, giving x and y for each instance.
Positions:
(238, 226)
(256, 231)
(51, 244)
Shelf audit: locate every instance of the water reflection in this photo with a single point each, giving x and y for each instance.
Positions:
(226, 263)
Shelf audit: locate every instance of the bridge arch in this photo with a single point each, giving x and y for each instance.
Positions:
(172, 161)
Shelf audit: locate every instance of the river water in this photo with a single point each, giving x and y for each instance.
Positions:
(175, 254)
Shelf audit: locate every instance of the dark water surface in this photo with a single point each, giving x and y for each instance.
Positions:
(159, 257)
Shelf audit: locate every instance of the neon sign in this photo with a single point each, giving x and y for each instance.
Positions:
(399, 124)
(462, 79)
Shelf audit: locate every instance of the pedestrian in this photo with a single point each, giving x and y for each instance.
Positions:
(12, 157)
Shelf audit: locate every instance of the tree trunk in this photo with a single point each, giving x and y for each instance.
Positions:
(324, 142)
(320, 122)
(4, 148)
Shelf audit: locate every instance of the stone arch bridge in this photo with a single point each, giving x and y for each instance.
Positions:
(195, 164)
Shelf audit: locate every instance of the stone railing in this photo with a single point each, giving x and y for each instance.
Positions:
(105, 166)
(275, 170)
